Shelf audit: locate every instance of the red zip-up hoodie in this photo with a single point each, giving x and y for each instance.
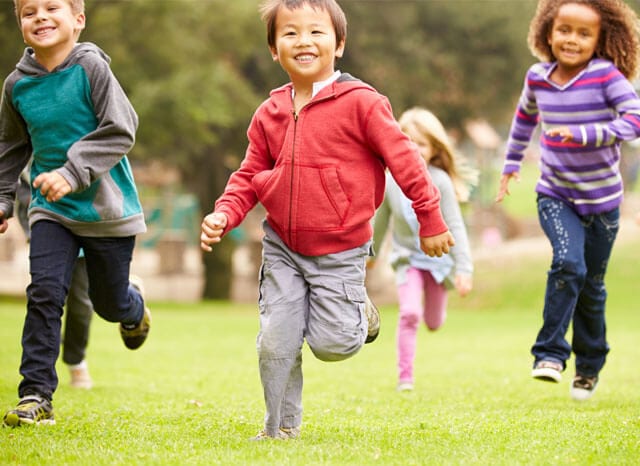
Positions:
(320, 174)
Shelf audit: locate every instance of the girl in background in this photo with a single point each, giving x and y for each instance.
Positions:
(581, 96)
(422, 281)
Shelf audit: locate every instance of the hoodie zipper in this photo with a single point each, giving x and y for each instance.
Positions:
(293, 157)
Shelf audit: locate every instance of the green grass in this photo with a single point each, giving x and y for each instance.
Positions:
(521, 203)
(192, 395)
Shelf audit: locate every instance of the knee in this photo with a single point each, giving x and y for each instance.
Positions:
(343, 346)
(46, 294)
(277, 344)
(435, 325)
(409, 320)
(569, 271)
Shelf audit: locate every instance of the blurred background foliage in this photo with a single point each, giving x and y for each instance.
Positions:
(195, 70)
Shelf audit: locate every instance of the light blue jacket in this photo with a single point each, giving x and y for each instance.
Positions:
(396, 212)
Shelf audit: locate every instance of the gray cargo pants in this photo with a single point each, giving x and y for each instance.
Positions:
(319, 299)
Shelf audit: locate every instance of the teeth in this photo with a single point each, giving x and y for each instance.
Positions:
(304, 57)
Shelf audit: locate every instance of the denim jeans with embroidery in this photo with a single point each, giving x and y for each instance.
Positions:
(575, 285)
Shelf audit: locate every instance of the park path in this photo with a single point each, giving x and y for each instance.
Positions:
(186, 286)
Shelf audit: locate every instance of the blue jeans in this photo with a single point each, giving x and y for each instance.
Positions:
(53, 254)
(575, 285)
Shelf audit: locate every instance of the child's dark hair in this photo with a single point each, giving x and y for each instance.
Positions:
(269, 10)
(619, 32)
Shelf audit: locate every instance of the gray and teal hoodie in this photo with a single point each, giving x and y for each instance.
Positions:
(78, 121)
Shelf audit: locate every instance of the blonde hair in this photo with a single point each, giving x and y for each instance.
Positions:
(619, 32)
(77, 6)
(421, 122)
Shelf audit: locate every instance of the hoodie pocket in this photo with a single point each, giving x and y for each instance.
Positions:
(323, 203)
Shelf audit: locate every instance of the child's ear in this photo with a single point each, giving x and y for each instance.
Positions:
(274, 53)
(340, 49)
(80, 21)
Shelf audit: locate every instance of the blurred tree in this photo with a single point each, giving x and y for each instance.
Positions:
(196, 71)
(462, 59)
(182, 66)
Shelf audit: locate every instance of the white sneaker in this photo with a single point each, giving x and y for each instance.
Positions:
(80, 377)
(549, 371)
(405, 387)
(582, 387)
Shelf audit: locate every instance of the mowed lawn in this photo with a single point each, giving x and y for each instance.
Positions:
(191, 394)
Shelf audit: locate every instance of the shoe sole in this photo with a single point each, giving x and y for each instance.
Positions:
(13, 420)
(580, 394)
(546, 374)
(372, 337)
(134, 345)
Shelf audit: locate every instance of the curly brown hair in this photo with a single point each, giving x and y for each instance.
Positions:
(619, 32)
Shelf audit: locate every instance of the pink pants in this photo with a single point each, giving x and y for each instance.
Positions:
(432, 309)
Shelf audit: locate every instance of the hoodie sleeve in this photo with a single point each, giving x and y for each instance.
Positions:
(15, 149)
(100, 150)
(409, 170)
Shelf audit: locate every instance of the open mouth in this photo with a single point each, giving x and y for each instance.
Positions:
(305, 58)
(40, 32)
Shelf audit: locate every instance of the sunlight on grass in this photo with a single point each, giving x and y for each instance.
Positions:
(192, 394)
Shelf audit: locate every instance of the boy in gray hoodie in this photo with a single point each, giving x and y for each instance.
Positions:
(63, 109)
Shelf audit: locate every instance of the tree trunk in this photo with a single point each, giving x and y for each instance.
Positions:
(218, 271)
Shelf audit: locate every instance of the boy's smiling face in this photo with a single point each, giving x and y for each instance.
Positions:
(305, 44)
(49, 26)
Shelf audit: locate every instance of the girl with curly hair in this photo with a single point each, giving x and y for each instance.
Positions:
(581, 97)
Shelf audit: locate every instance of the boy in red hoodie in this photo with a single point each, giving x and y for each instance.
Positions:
(316, 159)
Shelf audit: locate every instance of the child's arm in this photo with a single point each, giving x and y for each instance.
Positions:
(463, 283)
(437, 245)
(625, 127)
(212, 229)
(99, 151)
(504, 185)
(15, 150)
(52, 185)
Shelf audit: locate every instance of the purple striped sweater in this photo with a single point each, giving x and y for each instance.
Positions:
(602, 109)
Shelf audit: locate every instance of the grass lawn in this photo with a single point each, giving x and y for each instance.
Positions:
(192, 395)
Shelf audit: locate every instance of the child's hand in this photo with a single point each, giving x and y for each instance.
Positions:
(4, 224)
(504, 185)
(638, 218)
(563, 131)
(437, 245)
(212, 227)
(463, 284)
(52, 186)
